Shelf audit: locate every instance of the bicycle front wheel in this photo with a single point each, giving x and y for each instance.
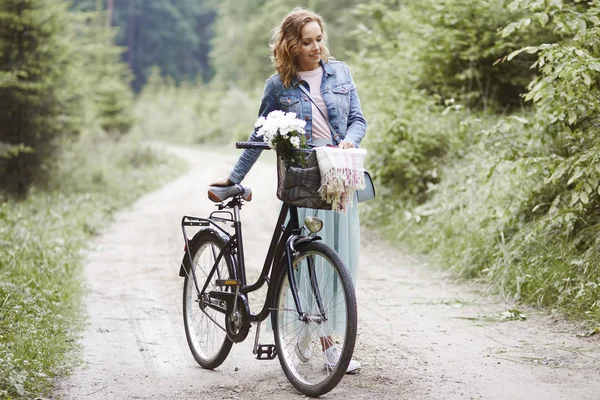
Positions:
(315, 348)
(206, 337)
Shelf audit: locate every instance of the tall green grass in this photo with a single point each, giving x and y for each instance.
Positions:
(41, 238)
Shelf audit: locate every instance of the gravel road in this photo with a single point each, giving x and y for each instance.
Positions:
(421, 335)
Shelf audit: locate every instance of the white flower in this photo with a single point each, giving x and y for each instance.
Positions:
(295, 141)
(276, 114)
(280, 129)
(260, 122)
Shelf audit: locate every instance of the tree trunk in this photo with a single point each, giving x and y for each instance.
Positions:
(109, 12)
(131, 37)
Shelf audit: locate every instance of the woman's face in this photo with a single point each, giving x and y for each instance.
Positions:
(310, 53)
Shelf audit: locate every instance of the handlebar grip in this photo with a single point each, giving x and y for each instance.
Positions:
(252, 145)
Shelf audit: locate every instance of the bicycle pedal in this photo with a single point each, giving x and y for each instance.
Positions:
(227, 282)
(266, 352)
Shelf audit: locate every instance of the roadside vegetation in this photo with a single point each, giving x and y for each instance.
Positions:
(42, 236)
(484, 139)
(70, 155)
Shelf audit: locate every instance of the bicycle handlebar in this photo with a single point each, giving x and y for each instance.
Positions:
(252, 145)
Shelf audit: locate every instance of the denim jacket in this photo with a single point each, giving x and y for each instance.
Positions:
(340, 97)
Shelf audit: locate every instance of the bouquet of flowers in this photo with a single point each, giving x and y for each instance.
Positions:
(285, 133)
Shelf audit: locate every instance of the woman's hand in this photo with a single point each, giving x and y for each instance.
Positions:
(346, 145)
(222, 183)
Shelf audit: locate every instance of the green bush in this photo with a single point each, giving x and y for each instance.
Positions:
(496, 218)
(410, 132)
(557, 246)
(461, 49)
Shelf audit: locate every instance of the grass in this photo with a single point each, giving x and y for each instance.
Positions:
(41, 240)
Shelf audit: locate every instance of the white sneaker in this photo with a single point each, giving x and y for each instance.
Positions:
(332, 355)
(304, 346)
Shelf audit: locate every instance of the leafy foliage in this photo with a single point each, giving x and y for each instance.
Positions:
(37, 88)
(516, 198)
(461, 49)
(59, 72)
(41, 238)
(405, 150)
(566, 95)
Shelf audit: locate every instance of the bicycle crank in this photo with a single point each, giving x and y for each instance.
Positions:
(237, 322)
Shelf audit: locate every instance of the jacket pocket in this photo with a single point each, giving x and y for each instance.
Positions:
(342, 89)
(342, 98)
(288, 101)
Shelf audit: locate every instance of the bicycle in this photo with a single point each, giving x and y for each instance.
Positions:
(310, 295)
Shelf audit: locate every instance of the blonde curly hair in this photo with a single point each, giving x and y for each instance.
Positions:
(286, 42)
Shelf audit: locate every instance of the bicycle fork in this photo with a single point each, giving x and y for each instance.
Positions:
(291, 253)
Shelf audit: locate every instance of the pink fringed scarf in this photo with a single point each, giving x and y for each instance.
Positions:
(342, 173)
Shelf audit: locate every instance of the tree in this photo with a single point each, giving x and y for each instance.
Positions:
(172, 35)
(37, 94)
(461, 49)
(110, 97)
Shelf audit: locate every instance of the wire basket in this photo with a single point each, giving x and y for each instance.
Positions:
(298, 182)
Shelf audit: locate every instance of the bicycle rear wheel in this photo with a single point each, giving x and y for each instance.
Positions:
(326, 295)
(207, 340)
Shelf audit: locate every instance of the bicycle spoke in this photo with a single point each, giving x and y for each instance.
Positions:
(205, 327)
(323, 298)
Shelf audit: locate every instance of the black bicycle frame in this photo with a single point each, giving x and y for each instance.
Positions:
(280, 251)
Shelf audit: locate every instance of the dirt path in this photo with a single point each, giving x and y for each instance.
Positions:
(420, 335)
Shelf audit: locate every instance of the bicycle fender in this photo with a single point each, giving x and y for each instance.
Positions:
(305, 239)
(185, 262)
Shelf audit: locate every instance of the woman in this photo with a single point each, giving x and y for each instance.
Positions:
(301, 57)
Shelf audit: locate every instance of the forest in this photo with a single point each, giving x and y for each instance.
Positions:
(483, 138)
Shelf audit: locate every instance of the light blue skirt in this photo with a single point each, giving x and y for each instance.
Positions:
(340, 231)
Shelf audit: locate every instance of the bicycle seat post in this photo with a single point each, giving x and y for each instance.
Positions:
(237, 225)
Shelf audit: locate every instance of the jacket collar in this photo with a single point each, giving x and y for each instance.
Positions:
(327, 70)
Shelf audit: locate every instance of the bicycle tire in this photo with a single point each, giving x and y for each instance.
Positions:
(208, 343)
(300, 344)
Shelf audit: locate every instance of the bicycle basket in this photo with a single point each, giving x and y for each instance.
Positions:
(298, 182)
